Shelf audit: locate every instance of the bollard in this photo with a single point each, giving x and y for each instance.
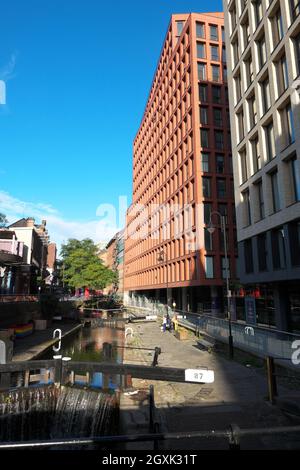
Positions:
(272, 385)
(157, 352)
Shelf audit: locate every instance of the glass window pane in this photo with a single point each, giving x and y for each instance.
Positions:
(209, 267)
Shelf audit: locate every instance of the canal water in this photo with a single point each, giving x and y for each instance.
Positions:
(89, 345)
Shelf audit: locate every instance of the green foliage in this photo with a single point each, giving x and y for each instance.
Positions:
(82, 267)
(3, 220)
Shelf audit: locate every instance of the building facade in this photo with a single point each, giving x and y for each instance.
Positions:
(23, 257)
(182, 172)
(263, 57)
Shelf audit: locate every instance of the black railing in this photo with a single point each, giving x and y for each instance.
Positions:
(233, 434)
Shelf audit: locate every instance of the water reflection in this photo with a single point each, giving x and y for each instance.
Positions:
(100, 344)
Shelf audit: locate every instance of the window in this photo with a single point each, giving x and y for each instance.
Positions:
(225, 74)
(266, 95)
(277, 28)
(203, 93)
(205, 162)
(294, 8)
(256, 160)
(206, 184)
(294, 239)
(258, 11)
(220, 165)
(295, 177)
(282, 75)
(247, 208)
(214, 33)
(221, 188)
(200, 31)
(262, 252)
(297, 51)
(252, 111)
(222, 208)
(243, 166)
(203, 115)
(209, 267)
(207, 212)
(217, 113)
(180, 25)
(262, 51)
(233, 18)
(224, 54)
(275, 191)
(216, 94)
(204, 135)
(246, 33)
(240, 123)
(215, 70)
(249, 71)
(225, 267)
(287, 125)
(248, 255)
(238, 87)
(201, 71)
(214, 53)
(270, 141)
(278, 248)
(208, 240)
(223, 34)
(201, 50)
(235, 52)
(219, 140)
(260, 198)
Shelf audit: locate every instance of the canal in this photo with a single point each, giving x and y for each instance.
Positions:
(94, 344)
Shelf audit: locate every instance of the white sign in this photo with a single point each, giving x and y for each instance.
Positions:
(200, 376)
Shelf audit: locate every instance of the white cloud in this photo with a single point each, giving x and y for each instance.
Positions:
(60, 229)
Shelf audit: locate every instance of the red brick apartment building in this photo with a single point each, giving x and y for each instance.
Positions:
(182, 171)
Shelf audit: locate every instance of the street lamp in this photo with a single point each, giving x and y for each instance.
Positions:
(163, 258)
(211, 228)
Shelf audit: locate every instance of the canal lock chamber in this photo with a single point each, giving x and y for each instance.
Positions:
(45, 413)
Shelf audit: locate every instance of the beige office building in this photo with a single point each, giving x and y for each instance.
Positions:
(263, 58)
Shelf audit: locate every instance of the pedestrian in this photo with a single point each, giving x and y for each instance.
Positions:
(164, 324)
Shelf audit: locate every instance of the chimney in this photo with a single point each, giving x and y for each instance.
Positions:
(30, 222)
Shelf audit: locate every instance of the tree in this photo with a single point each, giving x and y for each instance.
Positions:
(3, 220)
(82, 267)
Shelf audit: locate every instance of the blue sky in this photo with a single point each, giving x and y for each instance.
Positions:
(77, 77)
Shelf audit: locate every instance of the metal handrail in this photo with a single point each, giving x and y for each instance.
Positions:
(233, 434)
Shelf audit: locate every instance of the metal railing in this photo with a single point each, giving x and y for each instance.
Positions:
(233, 435)
(250, 338)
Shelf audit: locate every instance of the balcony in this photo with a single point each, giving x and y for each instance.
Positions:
(11, 251)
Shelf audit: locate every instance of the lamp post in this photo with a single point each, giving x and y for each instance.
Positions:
(163, 258)
(211, 229)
